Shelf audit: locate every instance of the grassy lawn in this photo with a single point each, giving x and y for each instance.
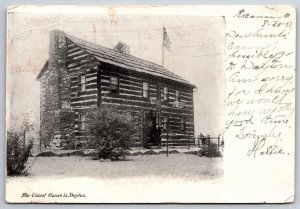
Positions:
(176, 165)
(141, 178)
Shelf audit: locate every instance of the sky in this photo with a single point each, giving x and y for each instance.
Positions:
(196, 54)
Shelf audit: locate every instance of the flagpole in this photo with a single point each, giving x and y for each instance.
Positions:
(163, 47)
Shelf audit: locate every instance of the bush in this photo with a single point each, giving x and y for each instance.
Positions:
(18, 153)
(211, 151)
(109, 132)
(46, 154)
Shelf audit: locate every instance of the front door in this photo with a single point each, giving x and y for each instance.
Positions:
(150, 121)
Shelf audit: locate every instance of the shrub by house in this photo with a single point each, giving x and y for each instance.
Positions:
(110, 132)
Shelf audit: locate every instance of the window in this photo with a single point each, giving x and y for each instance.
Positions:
(145, 90)
(81, 121)
(165, 124)
(114, 84)
(177, 96)
(165, 94)
(182, 123)
(82, 83)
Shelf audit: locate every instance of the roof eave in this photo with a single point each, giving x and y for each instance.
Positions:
(44, 68)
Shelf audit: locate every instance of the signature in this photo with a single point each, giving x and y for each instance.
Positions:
(260, 148)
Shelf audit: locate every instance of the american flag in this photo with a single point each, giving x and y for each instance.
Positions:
(167, 42)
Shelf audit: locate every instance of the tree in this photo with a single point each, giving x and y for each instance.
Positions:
(18, 151)
(25, 126)
(17, 154)
(109, 131)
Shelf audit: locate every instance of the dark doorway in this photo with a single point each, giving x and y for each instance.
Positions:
(149, 124)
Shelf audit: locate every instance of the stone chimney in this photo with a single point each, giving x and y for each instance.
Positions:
(57, 118)
(56, 67)
(122, 47)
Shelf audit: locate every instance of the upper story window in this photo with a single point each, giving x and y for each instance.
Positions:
(81, 121)
(145, 89)
(114, 84)
(82, 83)
(182, 123)
(165, 93)
(177, 95)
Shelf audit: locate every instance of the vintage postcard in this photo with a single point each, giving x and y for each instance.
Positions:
(150, 104)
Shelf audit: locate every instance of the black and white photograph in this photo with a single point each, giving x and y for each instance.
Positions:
(108, 98)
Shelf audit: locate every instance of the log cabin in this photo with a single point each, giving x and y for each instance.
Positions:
(80, 75)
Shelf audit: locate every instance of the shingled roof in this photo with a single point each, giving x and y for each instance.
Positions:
(126, 61)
